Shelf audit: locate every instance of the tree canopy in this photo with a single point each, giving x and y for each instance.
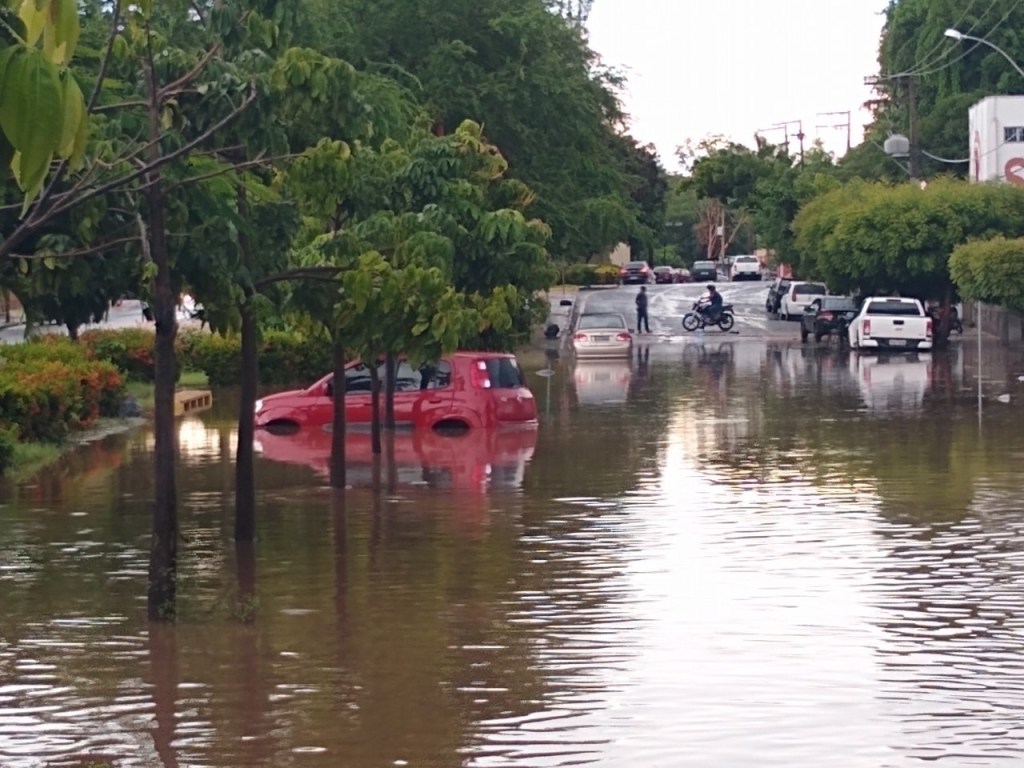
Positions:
(872, 238)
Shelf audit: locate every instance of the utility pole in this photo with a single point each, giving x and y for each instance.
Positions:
(799, 134)
(847, 125)
(915, 149)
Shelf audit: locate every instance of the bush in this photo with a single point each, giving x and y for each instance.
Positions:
(591, 274)
(44, 347)
(285, 358)
(129, 349)
(46, 399)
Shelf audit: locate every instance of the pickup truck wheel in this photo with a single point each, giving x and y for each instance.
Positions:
(803, 336)
(783, 316)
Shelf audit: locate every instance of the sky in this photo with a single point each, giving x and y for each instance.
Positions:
(733, 67)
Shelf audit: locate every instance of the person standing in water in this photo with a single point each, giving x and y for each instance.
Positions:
(642, 323)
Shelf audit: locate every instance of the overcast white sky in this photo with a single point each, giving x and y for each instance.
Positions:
(735, 66)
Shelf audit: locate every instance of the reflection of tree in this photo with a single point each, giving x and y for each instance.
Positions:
(163, 672)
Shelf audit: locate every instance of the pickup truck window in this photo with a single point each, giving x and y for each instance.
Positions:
(894, 308)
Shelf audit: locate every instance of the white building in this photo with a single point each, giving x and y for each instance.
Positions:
(997, 139)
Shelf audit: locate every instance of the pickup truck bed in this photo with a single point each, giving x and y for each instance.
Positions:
(891, 324)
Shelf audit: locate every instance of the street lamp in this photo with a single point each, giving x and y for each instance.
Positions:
(956, 34)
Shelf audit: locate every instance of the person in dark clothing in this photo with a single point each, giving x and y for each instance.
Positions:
(711, 304)
(642, 324)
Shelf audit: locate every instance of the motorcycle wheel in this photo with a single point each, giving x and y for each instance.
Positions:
(690, 321)
(725, 322)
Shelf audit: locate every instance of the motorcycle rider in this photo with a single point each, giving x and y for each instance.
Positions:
(710, 304)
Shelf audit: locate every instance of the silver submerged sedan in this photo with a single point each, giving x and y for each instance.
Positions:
(602, 335)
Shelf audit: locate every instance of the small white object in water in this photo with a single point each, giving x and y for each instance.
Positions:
(1020, 378)
(1003, 398)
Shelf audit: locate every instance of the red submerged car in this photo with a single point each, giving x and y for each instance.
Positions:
(464, 390)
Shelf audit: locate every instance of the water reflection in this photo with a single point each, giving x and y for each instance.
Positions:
(718, 554)
(473, 461)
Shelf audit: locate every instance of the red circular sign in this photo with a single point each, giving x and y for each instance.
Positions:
(1014, 171)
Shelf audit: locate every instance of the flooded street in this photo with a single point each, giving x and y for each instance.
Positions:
(718, 553)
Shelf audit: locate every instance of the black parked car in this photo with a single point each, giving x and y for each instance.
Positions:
(704, 270)
(826, 315)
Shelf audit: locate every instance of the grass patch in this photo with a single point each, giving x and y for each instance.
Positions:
(143, 391)
(29, 458)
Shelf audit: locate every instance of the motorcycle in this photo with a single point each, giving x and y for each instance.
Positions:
(697, 320)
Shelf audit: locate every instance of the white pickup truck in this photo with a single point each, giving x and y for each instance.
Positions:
(886, 322)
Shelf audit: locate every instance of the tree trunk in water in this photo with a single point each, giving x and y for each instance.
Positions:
(163, 554)
(375, 407)
(338, 479)
(391, 371)
(245, 474)
(389, 456)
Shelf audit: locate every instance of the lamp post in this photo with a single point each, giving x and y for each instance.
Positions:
(958, 35)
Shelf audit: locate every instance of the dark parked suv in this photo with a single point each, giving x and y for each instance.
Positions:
(776, 291)
(826, 315)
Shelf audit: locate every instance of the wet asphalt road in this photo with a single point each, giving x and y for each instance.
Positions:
(668, 303)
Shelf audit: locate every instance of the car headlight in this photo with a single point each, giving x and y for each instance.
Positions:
(259, 406)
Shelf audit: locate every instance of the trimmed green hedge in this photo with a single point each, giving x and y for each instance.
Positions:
(591, 274)
(285, 358)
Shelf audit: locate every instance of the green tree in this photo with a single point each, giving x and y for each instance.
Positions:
(877, 239)
(990, 270)
(530, 78)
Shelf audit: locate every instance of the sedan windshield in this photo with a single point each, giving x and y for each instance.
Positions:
(590, 322)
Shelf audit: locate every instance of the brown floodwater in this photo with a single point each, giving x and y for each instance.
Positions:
(728, 554)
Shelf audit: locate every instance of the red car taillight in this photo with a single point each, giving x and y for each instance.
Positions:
(623, 272)
(580, 337)
(479, 378)
(624, 337)
(928, 329)
(826, 316)
(866, 328)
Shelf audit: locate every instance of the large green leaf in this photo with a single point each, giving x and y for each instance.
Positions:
(74, 114)
(64, 15)
(32, 107)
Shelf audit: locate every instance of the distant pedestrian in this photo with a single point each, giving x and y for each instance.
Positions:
(642, 324)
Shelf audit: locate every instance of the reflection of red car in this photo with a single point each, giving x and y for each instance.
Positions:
(476, 460)
(467, 389)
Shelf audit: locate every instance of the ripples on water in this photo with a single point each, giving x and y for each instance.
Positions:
(714, 568)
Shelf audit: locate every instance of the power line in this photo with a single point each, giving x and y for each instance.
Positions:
(925, 63)
(939, 43)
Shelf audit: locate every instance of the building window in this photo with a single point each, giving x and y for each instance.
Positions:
(1013, 134)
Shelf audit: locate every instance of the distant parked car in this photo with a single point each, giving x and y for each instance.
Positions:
(683, 275)
(466, 389)
(602, 335)
(776, 291)
(798, 295)
(827, 315)
(704, 270)
(664, 275)
(636, 272)
(745, 267)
